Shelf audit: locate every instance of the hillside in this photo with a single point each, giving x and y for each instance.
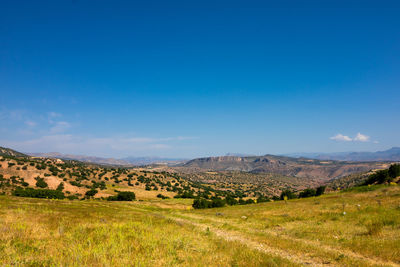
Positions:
(286, 166)
(9, 152)
(75, 179)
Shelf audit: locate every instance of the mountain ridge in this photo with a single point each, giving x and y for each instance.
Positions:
(127, 161)
(392, 154)
(282, 165)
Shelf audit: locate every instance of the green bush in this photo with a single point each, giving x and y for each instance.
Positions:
(38, 193)
(250, 201)
(186, 194)
(162, 196)
(91, 193)
(123, 196)
(308, 193)
(230, 200)
(287, 193)
(41, 183)
(262, 199)
(201, 204)
(60, 187)
(320, 190)
(379, 177)
(394, 170)
(217, 203)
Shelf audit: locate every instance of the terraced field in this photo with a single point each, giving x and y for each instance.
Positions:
(350, 228)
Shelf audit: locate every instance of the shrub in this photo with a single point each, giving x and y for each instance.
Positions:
(41, 183)
(217, 203)
(242, 201)
(394, 170)
(307, 193)
(320, 190)
(379, 177)
(123, 196)
(201, 204)
(60, 187)
(186, 194)
(250, 201)
(91, 193)
(287, 193)
(230, 200)
(162, 196)
(261, 199)
(38, 193)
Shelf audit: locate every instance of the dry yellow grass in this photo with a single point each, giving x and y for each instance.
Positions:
(94, 233)
(312, 231)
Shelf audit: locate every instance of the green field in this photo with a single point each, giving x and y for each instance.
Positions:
(350, 228)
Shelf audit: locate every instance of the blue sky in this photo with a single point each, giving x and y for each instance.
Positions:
(199, 78)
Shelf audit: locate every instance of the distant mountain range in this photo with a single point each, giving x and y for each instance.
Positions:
(392, 154)
(128, 161)
(287, 166)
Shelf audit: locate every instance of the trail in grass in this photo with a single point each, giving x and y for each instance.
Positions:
(302, 259)
(232, 236)
(238, 236)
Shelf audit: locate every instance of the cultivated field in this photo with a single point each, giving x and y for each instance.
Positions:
(350, 228)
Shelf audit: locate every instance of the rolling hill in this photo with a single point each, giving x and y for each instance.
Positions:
(9, 152)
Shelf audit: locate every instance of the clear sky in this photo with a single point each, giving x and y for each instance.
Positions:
(199, 78)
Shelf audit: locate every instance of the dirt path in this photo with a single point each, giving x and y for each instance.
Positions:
(231, 236)
(298, 259)
(295, 257)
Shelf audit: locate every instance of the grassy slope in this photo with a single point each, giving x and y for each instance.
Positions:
(165, 232)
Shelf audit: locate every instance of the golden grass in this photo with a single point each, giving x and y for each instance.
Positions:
(94, 233)
(340, 228)
(312, 231)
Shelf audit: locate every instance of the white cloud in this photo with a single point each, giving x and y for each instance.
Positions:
(100, 146)
(361, 138)
(341, 137)
(59, 127)
(358, 138)
(30, 123)
(53, 114)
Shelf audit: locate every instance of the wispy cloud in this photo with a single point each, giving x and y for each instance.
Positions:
(60, 126)
(67, 143)
(53, 114)
(358, 138)
(30, 123)
(341, 137)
